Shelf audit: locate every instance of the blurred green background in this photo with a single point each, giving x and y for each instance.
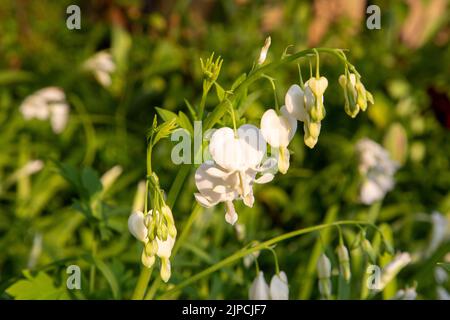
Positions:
(156, 47)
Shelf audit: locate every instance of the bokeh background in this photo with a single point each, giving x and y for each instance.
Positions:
(156, 46)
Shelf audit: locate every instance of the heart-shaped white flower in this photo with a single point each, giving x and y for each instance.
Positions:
(137, 227)
(278, 131)
(279, 289)
(259, 290)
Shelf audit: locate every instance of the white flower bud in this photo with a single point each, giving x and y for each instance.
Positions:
(147, 260)
(259, 290)
(165, 271)
(264, 50)
(279, 289)
(344, 261)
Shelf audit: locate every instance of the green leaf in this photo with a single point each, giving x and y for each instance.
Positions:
(13, 77)
(191, 109)
(166, 115)
(108, 274)
(164, 130)
(238, 81)
(220, 91)
(185, 123)
(40, 287)
(445, 265)
(91, 182)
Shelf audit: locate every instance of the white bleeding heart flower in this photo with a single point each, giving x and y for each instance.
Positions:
(232, 173)
(278, 131)
(279, 289)
(299, 103)
(377, 169)
(136, 226)
(259, 289)
(102, 66)
(47, 103)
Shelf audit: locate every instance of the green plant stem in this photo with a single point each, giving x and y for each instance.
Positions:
(141, 286)
(246, 251)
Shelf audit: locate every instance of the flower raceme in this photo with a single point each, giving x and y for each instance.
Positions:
(278, 289)
(158, 237)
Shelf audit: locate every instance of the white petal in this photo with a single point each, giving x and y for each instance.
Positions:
(253, 143)
(292, 123)
(371, 192)
(230, 213)
(59, 116)
(203, 201)
(165, 247)
(136, 226)
(279, 289)
(227, 150)
(295, 102)
(259, 290)
(265, 178)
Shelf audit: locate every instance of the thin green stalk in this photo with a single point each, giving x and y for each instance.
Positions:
(141, 286)
(246, 251)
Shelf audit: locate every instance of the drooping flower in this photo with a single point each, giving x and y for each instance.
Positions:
(299, 103)
(318, 86)
(158, 237)
(377, 170)
(102, 66)
(406, 294)
(278, 131)
(259, 289)
(389, 272)
(232, 172)
(47, 103)
(137, 227)
(324, 275)
(440, 231)
(355, 94)
(279, 289)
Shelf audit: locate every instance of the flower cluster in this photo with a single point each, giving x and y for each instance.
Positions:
(47, 103)
(157, 231)
(278, 289)
(377, 169)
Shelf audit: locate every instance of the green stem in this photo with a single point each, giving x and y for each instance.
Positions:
(244, 252)
(141, 286)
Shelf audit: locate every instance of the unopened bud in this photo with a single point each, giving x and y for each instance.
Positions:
(264, 50)
(147, 260)
(165, 269)
(324, 273)
(151, 248)
(344, 261)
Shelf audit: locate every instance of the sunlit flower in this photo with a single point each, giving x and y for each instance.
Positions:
(137, 227)
(324, 275)
(278, 131)
(232, 173)
(389, 272)
(48, 103)
(355, 94)
(299, 103)
(279, 289)
(440, 231)
(102, 66)
(259, 289)
(377, 169)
